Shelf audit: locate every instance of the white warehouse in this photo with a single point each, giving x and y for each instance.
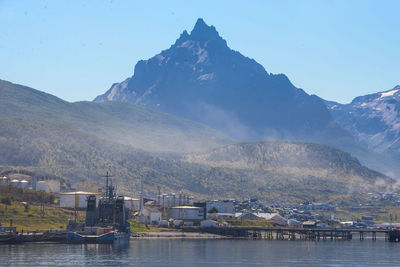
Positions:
(186, 213)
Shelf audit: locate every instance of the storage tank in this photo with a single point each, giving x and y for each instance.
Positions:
(3, 180)
(76, 199)
(24, 184)
(15, 183)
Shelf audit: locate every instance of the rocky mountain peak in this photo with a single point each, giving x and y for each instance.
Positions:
(200, 78)
(202, 34)
(202, 31)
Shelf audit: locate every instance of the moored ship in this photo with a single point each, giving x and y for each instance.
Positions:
(106, 221)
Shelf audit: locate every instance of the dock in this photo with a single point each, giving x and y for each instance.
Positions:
(33, 237)
(310, 234)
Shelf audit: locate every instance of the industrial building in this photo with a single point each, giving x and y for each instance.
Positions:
(186, 213)
(222, 206)
(151, 215)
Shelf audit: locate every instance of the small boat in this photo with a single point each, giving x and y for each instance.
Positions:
(105, 223)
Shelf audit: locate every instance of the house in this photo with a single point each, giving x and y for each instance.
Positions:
(151, 215)
(309, 224)
(246, 216)
(293, 222)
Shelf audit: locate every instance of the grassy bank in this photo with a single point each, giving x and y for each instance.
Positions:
(32, 219)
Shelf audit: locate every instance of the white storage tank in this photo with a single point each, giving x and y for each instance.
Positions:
(3, 180)
(132, 203)
(24, 184)
(49, 186)
(76, 199)
(15, 182)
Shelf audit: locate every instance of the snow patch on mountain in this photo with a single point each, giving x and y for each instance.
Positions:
(390, 93)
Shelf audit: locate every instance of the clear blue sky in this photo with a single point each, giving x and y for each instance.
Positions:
(77, 49)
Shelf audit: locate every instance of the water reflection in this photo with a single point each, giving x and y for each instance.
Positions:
(176, 252)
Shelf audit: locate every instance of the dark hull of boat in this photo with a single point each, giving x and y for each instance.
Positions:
(107, 238)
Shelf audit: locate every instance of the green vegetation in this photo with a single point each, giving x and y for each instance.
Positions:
(277, 171)
(33, 219)
(77, 140)
(23, 207)
(380, 214)
(121, 123)
(249, 223)
(11, 193)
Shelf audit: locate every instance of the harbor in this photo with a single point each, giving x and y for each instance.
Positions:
(248, 233)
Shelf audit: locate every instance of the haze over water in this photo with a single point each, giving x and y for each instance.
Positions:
(177, 252)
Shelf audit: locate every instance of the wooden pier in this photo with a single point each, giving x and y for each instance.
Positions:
(311, 234)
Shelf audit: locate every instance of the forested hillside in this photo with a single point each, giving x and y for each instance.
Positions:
(273, 170)
(122, 123)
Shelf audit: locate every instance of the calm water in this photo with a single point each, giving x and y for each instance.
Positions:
(178, 252)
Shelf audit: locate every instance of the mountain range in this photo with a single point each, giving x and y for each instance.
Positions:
(200, 78)
(41, 133)
(374, 120)
(194, 118)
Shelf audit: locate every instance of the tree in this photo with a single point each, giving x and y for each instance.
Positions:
(213, 210)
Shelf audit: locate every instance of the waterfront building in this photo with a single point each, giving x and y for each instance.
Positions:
(151, 215)
(186, 213)
(222, 206)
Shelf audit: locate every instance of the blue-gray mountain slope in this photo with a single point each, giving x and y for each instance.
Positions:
(373, 119)
(200, 78)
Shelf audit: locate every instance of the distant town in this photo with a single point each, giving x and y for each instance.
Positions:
(175, 210)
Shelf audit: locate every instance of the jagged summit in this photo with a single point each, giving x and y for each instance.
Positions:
(200, 78)
(202, 31)
(203, 34)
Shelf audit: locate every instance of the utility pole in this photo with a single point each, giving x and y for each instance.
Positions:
(141, 197)
(159, 195)
(142, 219)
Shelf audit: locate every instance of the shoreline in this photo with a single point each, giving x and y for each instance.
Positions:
(173, 235)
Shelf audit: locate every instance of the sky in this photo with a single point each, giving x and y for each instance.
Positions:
(77, 49)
